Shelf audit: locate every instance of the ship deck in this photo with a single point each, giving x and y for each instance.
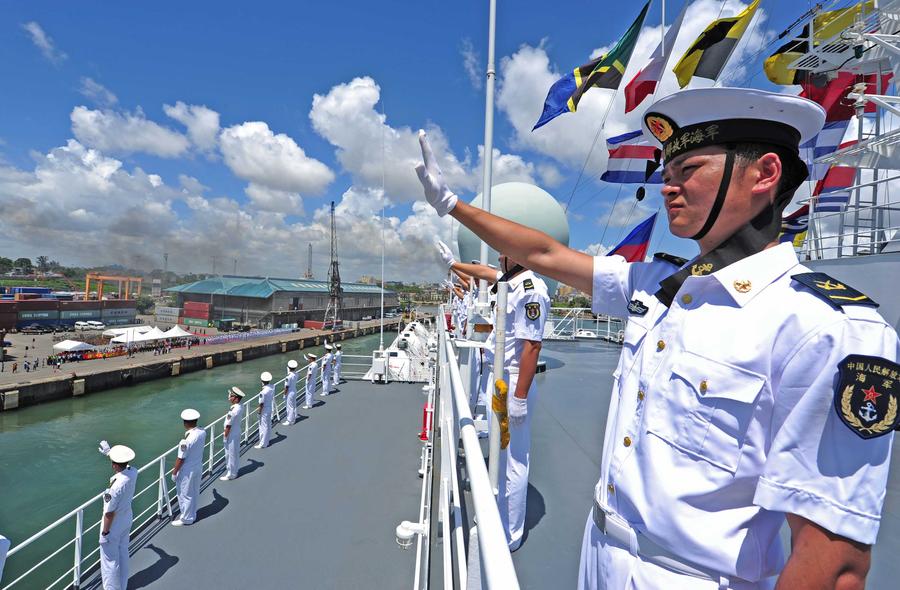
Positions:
(319, 507)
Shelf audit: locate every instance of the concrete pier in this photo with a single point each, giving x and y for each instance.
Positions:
(110, 373)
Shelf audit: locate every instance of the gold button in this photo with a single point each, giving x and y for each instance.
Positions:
(661, 344)
(611, 488)
(627, 441)
(641, 394)
(703, 386)
(686, 299)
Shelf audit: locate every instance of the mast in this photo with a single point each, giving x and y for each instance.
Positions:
(383, 198)
(335, 292)
(488, 140)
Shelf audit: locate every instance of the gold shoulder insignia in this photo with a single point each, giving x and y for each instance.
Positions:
(835, 292)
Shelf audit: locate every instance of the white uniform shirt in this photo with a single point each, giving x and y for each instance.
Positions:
(266, 395)
(326, 364)
(117, 498)
(233, 419)
(527, 306)
(191, 449)
(722, 416)
(311, 374)
(291, 381)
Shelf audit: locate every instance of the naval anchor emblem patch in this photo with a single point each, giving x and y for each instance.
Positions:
(532, 311)
(867, 395)
(637, 307)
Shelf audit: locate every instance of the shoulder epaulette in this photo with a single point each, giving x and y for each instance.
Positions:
(528, 284)
(835, 292)
(671, 259)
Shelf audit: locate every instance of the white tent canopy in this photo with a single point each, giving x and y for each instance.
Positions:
(140, 334)
(71, 346)
(130, 332)
(177, 332)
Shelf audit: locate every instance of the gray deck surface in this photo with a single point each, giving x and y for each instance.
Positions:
(317, 509)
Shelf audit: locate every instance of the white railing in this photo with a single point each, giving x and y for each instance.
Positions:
(456, 425)
(152, 504)
(568, 321)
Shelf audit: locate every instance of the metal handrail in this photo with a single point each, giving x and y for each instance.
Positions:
(163, 505)
(494, 552)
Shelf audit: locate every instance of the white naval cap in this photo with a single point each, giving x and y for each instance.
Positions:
(236, 391)
(265, 376)
(328, 346)
(292, 364)
(121, 454)
(338, 346)
(701, 117)
(189, 415)
(310, 356)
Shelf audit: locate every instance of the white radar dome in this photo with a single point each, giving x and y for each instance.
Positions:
(523, 203)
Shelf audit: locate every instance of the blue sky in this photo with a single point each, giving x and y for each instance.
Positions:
(192, 128)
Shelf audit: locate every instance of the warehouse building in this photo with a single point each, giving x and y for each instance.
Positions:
(272, 303)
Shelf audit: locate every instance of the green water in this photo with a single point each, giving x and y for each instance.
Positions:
(49, 462)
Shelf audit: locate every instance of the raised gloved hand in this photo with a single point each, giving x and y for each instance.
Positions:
(104, 447)
(446, 253)
(437, 193)
(517, 409)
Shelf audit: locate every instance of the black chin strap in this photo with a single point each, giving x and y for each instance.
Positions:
(720, 197)
(507, 275)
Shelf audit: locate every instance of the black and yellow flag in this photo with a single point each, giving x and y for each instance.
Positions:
(825, 26)
(710, 52)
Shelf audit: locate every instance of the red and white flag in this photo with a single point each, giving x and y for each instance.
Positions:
(644, 82)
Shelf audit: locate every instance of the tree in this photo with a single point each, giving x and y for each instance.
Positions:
(6, 264)
(24, 263)
(144, 304)
(43, 263)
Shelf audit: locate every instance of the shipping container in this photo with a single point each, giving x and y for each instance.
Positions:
(202, 306)
(38, 304)
(118, 303)
(118, 313)
(313, 324)
(70, 305)
(9, 306)
(196, 322)
(40, 290)
(40, 314)
(175, 311)
(8, 320)
(79, 314)
(193, 313)
(53, 322)
(118, 321)
(27, 296)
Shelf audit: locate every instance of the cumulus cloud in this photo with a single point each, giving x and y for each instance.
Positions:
(471, 63)
(97, 92)
(625, 213)
(125, 133)
(274, 161)
(43, 42)
(527, 75)
(269, 199)
(202, 123)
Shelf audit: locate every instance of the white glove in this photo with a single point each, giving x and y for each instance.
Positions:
(174, 477)
(104, 447)
(437, 193)
(104, 538)
(517, 409)
(446, 253)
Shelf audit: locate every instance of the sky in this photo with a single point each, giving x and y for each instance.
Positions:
(220, 133)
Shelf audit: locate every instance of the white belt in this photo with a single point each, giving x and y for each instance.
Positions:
(616, 527)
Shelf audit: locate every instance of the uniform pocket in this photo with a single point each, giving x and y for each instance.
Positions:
(705, 408)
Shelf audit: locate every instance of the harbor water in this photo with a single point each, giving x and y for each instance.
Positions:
(50, 463)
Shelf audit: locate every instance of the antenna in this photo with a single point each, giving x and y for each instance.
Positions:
(383, 196)
(215, 260)
(335, 299)
(235, 266)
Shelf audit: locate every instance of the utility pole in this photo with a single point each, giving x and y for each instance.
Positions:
(215, 260)
(309, 273)
(235, 267)
(335, 293)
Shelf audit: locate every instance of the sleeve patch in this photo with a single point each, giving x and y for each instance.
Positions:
(183, 447)
(107, 497)
(532, 311)
(835, 292)
(867, 395)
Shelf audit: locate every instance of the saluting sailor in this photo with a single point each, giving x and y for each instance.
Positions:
(232, 436)
(264, 410)
(338, 360)
(115, 526)
(290, 388)
(189, 468)
(326, 369)
(312, 373)
(743, 392)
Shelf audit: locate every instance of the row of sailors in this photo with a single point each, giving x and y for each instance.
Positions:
(188, 470)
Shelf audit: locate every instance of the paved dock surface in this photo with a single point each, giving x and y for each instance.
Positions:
(317, 509)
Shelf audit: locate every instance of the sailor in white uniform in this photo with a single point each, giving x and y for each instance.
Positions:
(264, 410)
(4, 547)
(232, 435)
(312, 374)
(189, 468)
(115, 526)
(338, 360)
(327, 374)
(290, 388)
(749, 391)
